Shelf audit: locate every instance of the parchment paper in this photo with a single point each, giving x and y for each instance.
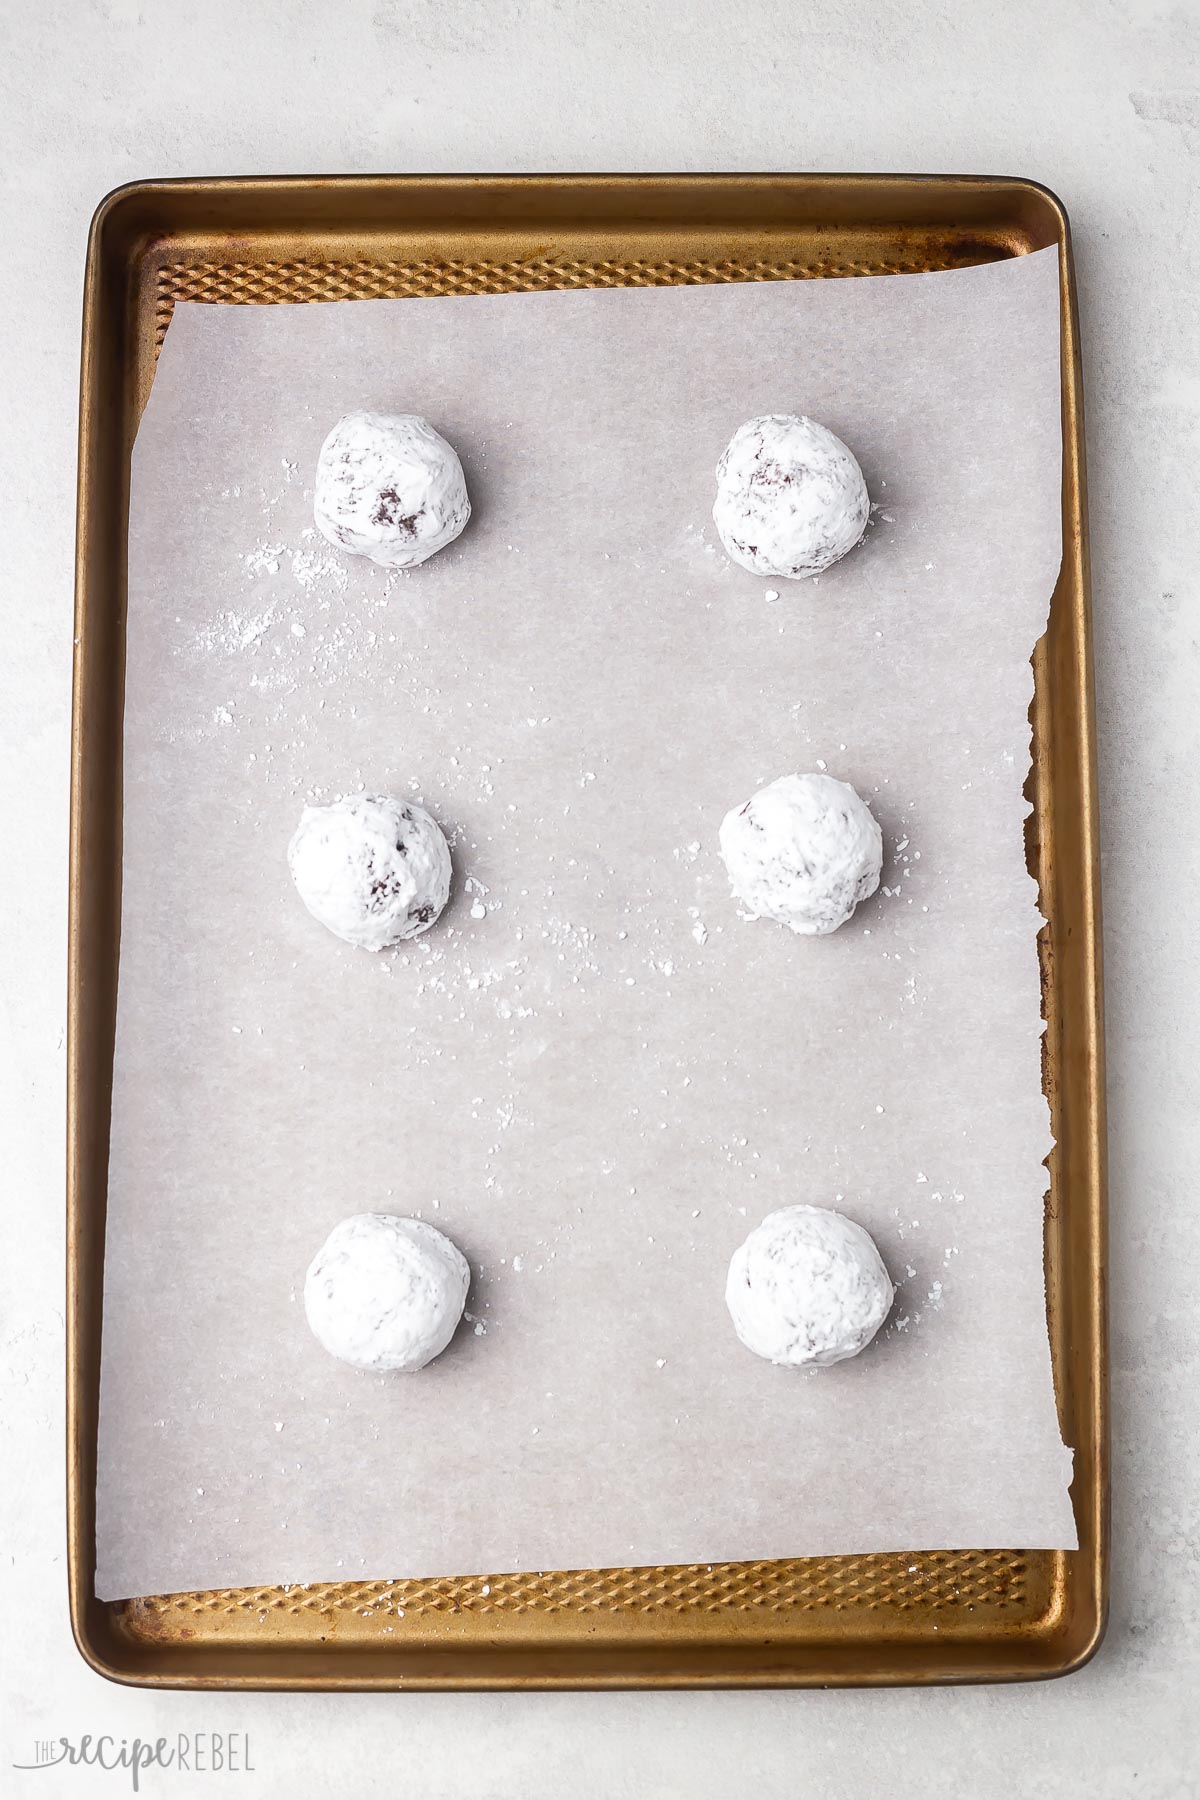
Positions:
(594, 1075)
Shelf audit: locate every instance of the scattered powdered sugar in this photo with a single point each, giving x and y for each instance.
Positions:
(230, 632)
(264, 559)
(312, 567)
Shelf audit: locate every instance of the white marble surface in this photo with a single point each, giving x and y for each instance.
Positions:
(1102, 101)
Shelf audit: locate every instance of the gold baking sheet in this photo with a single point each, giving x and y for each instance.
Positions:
(927, 1617)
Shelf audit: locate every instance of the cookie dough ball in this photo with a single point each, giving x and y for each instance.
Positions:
(803, 851)
(385, 1293)
(389, 487)
(807, 1286)
(374, 870)
(791, 498)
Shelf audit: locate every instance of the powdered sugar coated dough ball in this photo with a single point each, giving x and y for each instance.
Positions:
(389, 487)
(374, 870)
(807, 1286)
(386, 1293)
(791, 498)
(804, 851)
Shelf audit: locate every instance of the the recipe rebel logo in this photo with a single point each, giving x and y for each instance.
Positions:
(189, 1753)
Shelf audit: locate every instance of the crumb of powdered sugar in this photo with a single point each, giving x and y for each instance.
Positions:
(230, 631)
(311, 566)
(264, 559)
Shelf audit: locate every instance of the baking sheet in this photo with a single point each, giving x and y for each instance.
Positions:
(598, 1085)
